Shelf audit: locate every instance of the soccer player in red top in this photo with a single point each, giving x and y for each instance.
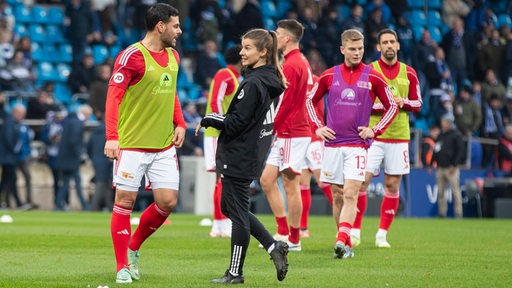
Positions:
(293, 132)
(392, 147)
(222, 89)
(312, 165)
(351, 88)
(142, 109)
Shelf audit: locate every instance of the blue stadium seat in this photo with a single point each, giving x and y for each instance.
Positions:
(37, 33)
(45, 72)
(269, 23)
(434, 18)
(435, 33)
(50, 52)
(39, 14)
(54, 33)
(66, 52)
(63, 70)
(504, 20)
(414, 4)
(55, 15)
(114, 50)
(283, 6)
(20, 30)
(23, 14)
(37, 52)
(417, 31)
(62, 93)
(434, 4)
(268, 8)
(99, 53)
(417, 17)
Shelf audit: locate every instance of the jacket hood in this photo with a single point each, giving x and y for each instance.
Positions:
(267, 74)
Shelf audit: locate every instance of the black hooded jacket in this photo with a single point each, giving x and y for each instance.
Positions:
(247, 127)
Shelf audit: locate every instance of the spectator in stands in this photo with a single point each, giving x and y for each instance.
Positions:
(493, 86)
(506, 73)
(453, 10)
(51, 136)
(505, 151)
(21, 73)
(8, 141)
(506, 111)
(7, 22)
(80, 27)
(406, 38)
(373, 25)
(379, 4)
(98, 90)
(398, 8)
(248, 17)
(23, 151)
(460, 48)
(207, 64)
(316, 61)
(307, 19)
(355, 20)
(440, 81)
(208, 20)
(424, 51)
(428, 145)
(491, 53)
(39, 106)
(476, 18)
(193, 145)
(82, 74)
(477, 92)
(327, 37)
(103, 13)
(492, 128)
(448, 155)
(69, 157)
(468, 113)
(24, 44)
(103, 198)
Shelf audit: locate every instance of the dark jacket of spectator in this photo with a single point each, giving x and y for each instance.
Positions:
(8, 140)
(71, 144)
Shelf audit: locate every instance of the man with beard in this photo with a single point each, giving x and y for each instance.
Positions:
(392, 146)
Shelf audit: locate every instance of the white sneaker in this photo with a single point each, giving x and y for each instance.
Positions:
(277, 237)
(123, 276)
(225, 228)
(133, 263)
(382, 243)
(355, 241)
(294, 247)
(216, 229)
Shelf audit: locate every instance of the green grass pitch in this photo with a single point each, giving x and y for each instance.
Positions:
(50, 249)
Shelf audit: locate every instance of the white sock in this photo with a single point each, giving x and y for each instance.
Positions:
(356, 233)
(381, 233)
(271, 248)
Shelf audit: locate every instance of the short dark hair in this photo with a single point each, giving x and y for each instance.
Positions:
(386, 31)
(159, 12)
(293, 26)
(232, 54)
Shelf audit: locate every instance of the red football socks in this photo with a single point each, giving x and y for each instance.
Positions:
(150, 220)
(388, 209)
(121, 230)
(344, 233)
(361, 207)
(282, 225)
(305, 194)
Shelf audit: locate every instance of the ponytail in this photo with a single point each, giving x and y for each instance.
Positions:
(275, 58)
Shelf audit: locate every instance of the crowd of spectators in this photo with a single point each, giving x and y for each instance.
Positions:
(465, 72)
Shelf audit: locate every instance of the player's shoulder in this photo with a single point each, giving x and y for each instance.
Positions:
(130, 54)
(410, 71)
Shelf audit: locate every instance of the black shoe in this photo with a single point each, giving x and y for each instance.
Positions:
(280, 259)
(229, 279)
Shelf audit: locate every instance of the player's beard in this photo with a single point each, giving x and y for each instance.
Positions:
(391, 56)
